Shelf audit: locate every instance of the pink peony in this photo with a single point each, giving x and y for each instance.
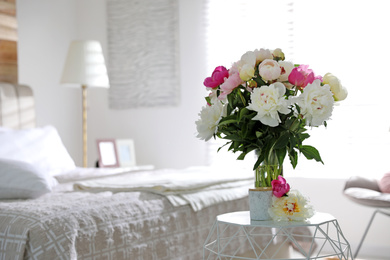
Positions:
(230, 83)
(217, 78)
(301, 76)
(280, 187)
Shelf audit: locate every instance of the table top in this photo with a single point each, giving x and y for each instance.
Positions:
(242, 218)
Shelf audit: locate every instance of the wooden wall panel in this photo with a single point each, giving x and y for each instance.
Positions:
(8, 42)
(8, 61)
(8, 7)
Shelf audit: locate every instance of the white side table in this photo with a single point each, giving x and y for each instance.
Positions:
(235, 236)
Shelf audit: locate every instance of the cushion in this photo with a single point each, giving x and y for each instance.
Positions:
(384, 183)
(368, 197)
(20, 180)
(41, 147)
(362, 182)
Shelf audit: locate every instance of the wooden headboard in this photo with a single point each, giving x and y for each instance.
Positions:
(17, 106)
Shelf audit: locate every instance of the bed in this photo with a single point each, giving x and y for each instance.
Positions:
(51, 209)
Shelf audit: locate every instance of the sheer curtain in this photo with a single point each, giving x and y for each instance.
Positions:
(348, 39)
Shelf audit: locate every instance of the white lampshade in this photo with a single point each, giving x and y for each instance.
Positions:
(85, 65)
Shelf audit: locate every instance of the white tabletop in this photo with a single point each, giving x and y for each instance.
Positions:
(243, 218)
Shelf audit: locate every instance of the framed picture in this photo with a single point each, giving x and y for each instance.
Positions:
(126, 152)
(108, 156)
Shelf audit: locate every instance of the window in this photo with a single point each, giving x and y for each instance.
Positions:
(348, 39)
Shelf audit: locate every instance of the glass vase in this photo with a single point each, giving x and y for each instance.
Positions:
(265, 173)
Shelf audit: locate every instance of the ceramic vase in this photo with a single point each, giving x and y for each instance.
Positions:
(260, 200)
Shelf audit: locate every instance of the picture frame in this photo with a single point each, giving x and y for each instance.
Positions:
(108, 155)
(126, 152)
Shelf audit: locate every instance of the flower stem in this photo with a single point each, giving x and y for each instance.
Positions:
(242, 97)
(266, 173)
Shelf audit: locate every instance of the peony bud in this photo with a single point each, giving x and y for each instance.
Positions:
(247, 72)
(269, 70)
(339, 92)
(278, 54)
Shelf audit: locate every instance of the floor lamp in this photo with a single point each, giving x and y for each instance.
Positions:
(85, 66)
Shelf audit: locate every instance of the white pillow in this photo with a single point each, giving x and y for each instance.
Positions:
(20, 180)
(41, 147)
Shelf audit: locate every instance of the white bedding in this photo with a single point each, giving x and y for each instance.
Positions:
(67, 224)
(199, 187)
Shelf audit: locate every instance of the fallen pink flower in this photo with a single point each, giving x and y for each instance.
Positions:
(280, 187)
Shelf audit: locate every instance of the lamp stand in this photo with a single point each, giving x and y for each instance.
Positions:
(84, 94)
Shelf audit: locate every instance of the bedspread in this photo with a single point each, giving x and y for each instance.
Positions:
(199, 187)
(131, 225)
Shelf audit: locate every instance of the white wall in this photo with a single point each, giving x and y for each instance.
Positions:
(163, 137)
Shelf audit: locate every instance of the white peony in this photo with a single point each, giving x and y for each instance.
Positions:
(262, 54)
(287, 68)
(316, 103)
(293, 207)
(246, 65)
(210, 116)
(267, 101)
(269, 70)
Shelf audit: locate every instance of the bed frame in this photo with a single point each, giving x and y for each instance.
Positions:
(17, 106)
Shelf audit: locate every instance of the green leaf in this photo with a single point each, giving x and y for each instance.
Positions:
(293, 155)
(244, 131)
(243, 113)
(303, 136)
(231, 146)
(259, 81)
(223, 146)
(311, 153)
(258, 134)
(293, 142)
(227, 121)
(298, 108)
(229, 109)
(282, 141)
(233, 137)
(260, 159)
(281, 154)
(241, 156)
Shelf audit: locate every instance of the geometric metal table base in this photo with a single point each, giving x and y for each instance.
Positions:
(235, 236)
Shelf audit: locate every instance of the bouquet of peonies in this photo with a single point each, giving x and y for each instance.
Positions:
(265, 104)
